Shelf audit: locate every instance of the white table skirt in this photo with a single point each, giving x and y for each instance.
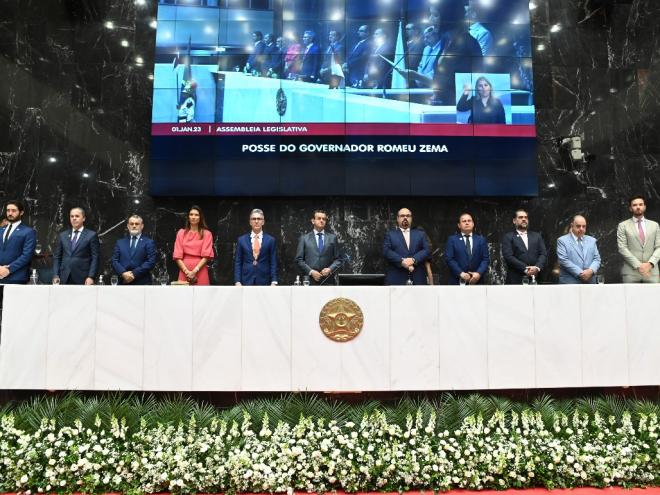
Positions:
(268, 338)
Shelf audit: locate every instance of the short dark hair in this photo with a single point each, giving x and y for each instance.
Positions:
(637, 196)
(258, 34)
(465, 213)
(515, 213)
(18, 204)
(319, 211)
(82, 210)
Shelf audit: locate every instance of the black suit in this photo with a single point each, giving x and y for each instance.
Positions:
(518, 257)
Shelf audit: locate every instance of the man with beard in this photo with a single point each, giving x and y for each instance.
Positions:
(405, 250)
(638, 240)
(134, 256)
(524, 252)
(17, 242)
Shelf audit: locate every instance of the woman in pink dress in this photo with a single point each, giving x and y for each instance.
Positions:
(193, 248)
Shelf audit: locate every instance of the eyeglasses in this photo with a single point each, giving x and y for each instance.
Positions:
(255, 218)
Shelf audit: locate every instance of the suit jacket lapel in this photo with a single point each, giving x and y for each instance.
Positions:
(576, 246)
(81, 236)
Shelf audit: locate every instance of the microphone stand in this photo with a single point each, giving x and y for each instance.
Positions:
(343, 260)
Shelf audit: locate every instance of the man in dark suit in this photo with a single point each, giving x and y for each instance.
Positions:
(319, 254)
(256, 59)
(356, 62)
(333, 58)
(76, 256)
(256, 255)
(272, 56)
(466, 254)
(378, 72)
(134, 256)
(524, 251)
(17, 242)
(405, 250)
(311, 58)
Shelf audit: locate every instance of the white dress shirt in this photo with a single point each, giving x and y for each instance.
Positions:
(13, 226)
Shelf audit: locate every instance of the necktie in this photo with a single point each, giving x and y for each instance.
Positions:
(581, 244)
(133, 243)
(406, 237)
(256, 247)
(74, 238)
(468, 246)
(320, 234)
(7, 232)
(642, 237)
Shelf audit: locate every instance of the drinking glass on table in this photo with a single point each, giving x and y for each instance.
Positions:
(114, 280)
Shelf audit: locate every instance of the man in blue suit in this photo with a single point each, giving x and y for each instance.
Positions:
(311, 58)
(405, 251)
(466, 253)
(76, 256)
(17, 242)
(579, 259)
(134, 256)
(356, 61)
(256, 255)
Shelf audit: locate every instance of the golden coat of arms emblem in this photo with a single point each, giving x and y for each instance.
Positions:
(341, 319)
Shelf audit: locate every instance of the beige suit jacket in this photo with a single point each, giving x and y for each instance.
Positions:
(631, 248)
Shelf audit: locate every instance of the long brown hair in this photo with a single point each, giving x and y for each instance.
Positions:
(202, 221)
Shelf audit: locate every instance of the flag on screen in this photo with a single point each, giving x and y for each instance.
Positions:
(399, 81)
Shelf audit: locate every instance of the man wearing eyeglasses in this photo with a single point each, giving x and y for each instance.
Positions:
(256, 255)
(405, 250)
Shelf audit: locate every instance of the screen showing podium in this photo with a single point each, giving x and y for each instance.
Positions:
(334, 97)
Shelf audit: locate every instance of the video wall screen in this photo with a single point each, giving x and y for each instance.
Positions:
(343, 97)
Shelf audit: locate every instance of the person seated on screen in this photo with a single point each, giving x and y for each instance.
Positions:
(423, 76)
(310, 63)
(272, 57)
(193, 248)
(357, 58)
(457, 52)
(486, 108)
(333, 58)
(378, 72)
(292, 57)
(256, 58)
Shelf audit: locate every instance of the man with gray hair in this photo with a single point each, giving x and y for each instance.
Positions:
(255, 262)
(134, 256)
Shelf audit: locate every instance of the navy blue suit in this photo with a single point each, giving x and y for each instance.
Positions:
(357, 61)
(140, 262)
(74, 265)
(17, 253)
(457, 258)
(395, 249)
(265, 271)
(311, 63)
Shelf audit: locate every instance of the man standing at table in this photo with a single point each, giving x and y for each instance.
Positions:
(256, 255)
(578, 255)
(134, 256)
(319, 255)
(638, 240)
(405, 250)
(76, 256)
(524, 251)
(357, 58)
(17, 242)
(466, 253)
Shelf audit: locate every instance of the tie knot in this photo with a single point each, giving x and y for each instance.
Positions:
(134, 237)
(319, 234)
(75, 232)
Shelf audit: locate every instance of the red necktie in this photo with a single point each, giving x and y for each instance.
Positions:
(642, 237)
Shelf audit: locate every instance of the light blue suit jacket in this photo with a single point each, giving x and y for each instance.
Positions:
(573, 261)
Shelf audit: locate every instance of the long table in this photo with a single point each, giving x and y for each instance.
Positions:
(268, 339)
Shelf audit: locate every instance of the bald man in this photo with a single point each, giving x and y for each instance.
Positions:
(405, 250)
(579, 259)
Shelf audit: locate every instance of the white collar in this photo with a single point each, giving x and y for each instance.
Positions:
(137, 236)
(635, 220)
(575, 238)
(253, 234)
(14, 224)
(316, 232)
(82, 227)
(521, 232)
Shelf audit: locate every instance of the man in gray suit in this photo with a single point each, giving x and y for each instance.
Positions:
(579, 259)
(76, 256)
(638, 240)
(318, 255)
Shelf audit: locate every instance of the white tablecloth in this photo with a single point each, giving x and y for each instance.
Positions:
(268, 339)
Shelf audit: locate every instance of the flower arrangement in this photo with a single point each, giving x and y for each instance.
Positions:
(422, 446)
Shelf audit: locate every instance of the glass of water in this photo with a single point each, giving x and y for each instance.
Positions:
(600, 279)
(306, 280)
(114, 280)
(164, 279)
(37, 249)
(525, 280)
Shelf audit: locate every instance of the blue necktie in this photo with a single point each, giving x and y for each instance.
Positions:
(133, 243)
(74, 238)
(320, 234)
